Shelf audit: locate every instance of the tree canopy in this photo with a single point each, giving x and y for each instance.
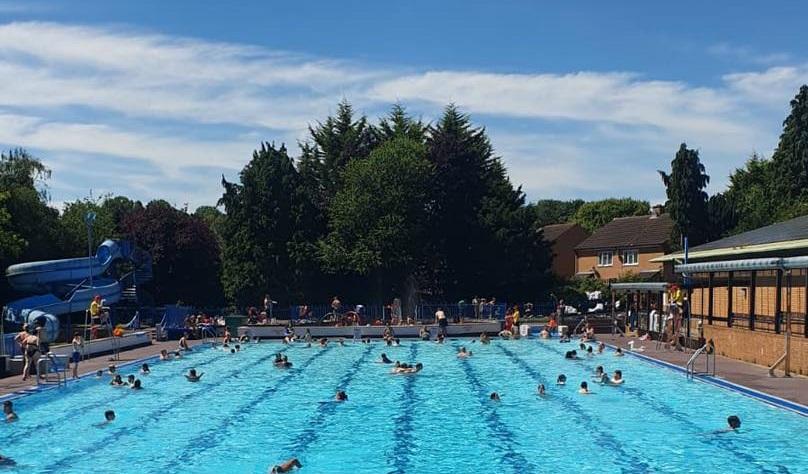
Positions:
(687, 199)
(595, 214)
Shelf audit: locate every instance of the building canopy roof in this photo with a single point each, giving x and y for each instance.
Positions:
(787, 235)
(631, 232)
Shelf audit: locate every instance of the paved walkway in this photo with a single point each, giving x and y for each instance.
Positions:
(794, 388)
(15, 382)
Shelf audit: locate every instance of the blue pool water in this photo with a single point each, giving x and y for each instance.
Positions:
(246, 414)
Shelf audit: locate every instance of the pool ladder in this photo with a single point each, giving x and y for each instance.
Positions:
(708, 351)
(209, 336)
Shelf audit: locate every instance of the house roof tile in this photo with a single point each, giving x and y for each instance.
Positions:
(627, 232)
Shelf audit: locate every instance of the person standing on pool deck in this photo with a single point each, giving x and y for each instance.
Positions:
(31, 351)
(75, 356)
(441, 321)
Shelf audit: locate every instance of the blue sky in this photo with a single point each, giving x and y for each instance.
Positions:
(156, 99)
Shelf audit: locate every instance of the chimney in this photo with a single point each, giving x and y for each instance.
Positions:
(657, 210)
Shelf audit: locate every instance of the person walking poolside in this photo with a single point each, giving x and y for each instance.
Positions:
(441, 321)
(31, 351)
(75, 356)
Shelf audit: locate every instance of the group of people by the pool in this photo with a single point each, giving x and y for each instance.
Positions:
(281, 361)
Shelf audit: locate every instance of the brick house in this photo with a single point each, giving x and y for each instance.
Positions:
(563, 238)
(627, 245)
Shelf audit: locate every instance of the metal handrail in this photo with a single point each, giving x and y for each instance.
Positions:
(691, 363)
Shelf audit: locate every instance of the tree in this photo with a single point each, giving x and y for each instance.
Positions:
(185, 254)
(74, 227)
(213, 218)
(721, 216)
(595, 214)
(551, 211)
(11, 244)
(687, 200)
(264, 230)
(385, 196)
(790, 159)
(334, 143)
(398, 124)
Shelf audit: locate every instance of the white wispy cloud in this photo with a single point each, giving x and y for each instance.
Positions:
(178, 104)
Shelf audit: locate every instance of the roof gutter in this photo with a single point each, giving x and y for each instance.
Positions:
(740, 250)
(788, 263)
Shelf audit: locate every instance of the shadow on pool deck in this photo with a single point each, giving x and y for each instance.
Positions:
(15, 383)
(794, 388)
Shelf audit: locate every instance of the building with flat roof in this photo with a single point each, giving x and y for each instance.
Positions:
(747, 290)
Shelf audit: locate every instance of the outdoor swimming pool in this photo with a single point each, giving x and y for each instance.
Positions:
(246, 414)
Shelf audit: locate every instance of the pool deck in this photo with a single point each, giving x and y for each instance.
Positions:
(15, 383)
(756, 377)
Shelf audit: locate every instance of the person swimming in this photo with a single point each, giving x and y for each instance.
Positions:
(462, 353)
(323, 342)
(561, 380)
(8, 412)
(582, 346)
(238, 347)
(541, 390)
(341, 396)
(109, 416)
(584, 390)
(573, 354)
(601, 347)
(164, 355)
(598, 373)
(589, 352)
(130, 379)
(617, 378)
(286, 466)
(6, 461)
(402, 368)
(484, 339)
(733, 424)
(192, 376)
(384, 359)
(494, 397)
(136, 385)
(144, 369)
(111, 369)
(618, 352)
(117, 381)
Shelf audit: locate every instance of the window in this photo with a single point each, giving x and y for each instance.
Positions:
(631, 257)
(605, 259)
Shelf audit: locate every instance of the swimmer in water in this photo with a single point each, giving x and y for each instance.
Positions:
(99, 374)
(109, 416)
(582, 346)
(484, 339)
(589, 352)
(601, 347)
(494, 397)
(341, 396)
(618, 352)
(192, 376)
(617, 378)
(286, 466)
(598, 373)
(542, 390)
(136, 385)
(584, 390)
(561, 380)
(6, 461)
(130, 379)
(117, 381)
(8, 412)
(323, 342)
(112, 369)
(462, 353)
(164, 355)
(384, 359)
(733, 424)
(144, 369)
(572, 355)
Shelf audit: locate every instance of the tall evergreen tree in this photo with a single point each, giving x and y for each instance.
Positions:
(399, 124)
(263, 226)
(791, 156)
(687, 200)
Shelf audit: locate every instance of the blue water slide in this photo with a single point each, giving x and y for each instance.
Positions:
(64, 286)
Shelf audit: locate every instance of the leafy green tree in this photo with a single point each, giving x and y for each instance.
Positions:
(721, 215)
(595, 214)
(11, 244)
(552, 211)
(378, 219)
(790, 159)
(119, 208)
(213, 217)
(185, 254)
(264, 230)
(687, 198)
(74, 227)
(752, 195)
